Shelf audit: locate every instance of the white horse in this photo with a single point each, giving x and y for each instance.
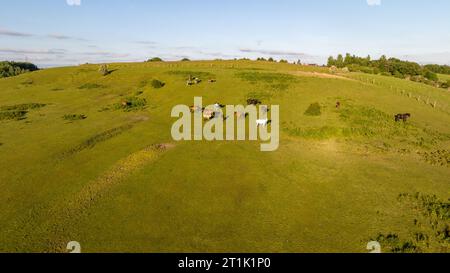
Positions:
(262, 122)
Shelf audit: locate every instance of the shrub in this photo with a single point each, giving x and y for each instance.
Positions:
(185, 60)
(155, 59)
(22, 107)
(157, 84)
(131, 104)
(13, 115)
(314, 110)
(445, 85)
(431, 76)
(398, 75)
(367, 70)
(74, 117)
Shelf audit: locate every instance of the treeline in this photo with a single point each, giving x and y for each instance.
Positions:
(10, 69)
(440, 69)
(270, 60)
(392, 67)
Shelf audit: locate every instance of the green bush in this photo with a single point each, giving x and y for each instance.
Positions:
(131, 104)
(155, 59)
(314, 110)
(398, 75)
(13, 115)
(157, 84)
(431, 76)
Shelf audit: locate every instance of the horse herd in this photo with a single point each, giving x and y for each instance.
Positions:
(209, 114)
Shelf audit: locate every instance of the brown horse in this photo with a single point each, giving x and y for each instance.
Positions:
(253, 102)
(403, 117)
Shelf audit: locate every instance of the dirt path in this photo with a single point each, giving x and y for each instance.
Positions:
(319, 75)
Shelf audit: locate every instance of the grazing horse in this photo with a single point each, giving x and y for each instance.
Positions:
(338, 105)
(253, 102)
(403, 117)
(218, 106)
(209, 114)
(262, 122)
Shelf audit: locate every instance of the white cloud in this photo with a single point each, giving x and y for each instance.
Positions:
(373, 2)
(6, 32)
(73, 2)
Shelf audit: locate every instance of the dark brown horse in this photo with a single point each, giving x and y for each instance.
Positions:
(253, 102)
(403, 117)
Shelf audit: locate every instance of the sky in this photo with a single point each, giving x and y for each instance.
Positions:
(70, 32)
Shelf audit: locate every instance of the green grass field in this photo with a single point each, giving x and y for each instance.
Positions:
(444, 77)
(78, 165)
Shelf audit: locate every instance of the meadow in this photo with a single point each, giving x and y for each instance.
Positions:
(90, 158)
(444, 77)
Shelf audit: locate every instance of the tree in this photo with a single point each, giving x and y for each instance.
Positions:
(331, 61)
(367, 61)
(340, 61)
(440, 69)
(348, 59)
(10, 69)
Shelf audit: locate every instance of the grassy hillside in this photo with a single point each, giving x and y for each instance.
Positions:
(79, 165)
(444, 77)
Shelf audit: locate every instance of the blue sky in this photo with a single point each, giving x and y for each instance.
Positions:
(66, 32)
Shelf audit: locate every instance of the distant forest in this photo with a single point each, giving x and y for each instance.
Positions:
(393, 67)
(9, 69)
